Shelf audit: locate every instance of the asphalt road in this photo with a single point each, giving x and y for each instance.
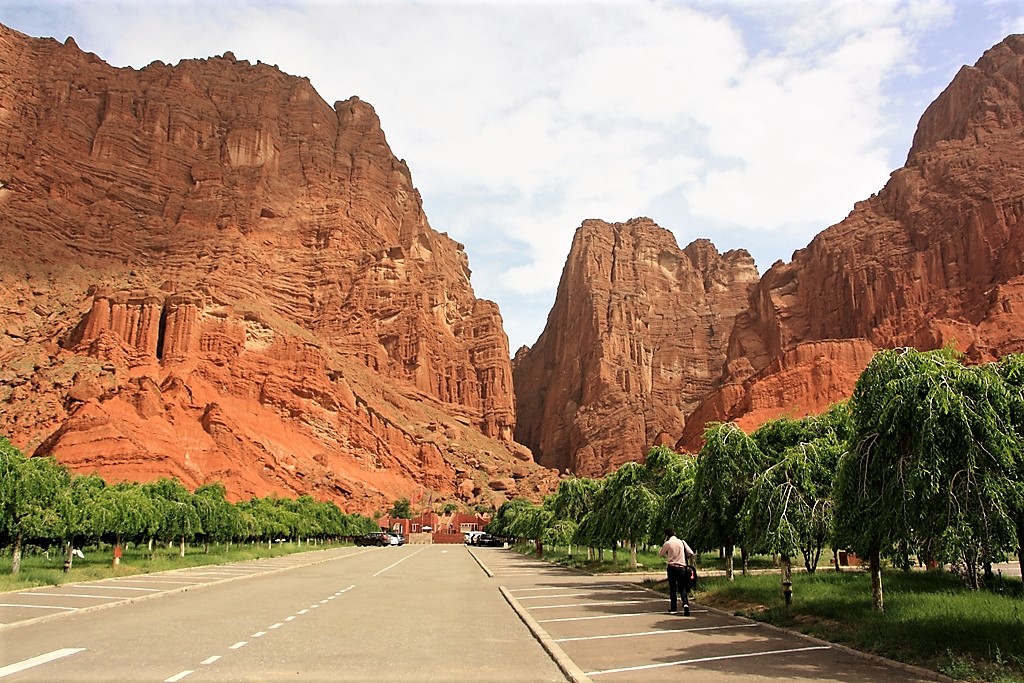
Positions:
(414, 613)
(384, 614)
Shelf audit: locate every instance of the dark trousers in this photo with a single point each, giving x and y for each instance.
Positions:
(677, 583)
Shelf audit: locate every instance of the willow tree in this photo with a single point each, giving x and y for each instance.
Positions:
(628, 504)
(1011, 370)
(672, 476)
(933, 460)
(726, 467)
(569, 504)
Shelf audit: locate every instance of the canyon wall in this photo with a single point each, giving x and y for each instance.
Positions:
(211, 273)
(635, 340)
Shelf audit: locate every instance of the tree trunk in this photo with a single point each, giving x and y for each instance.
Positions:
(69, 556)
(615, 552)
(728, 562)
(1020, 545)
(181, 547)
(632, 555)
(875, 562)
(539, 548)
(786, 571)
(16, 554)
(745, 556)
(835, 560)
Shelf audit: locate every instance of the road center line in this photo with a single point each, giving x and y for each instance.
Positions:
(655, 632)
(210, 660)
(402, 560)
(277, 625)
(707, 659)
(178, 676)
(241, 643)
(291, 618)
(37, 661)
(258, 634)
(303, 611)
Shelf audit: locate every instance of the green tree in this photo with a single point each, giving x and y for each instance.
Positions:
(401, 509)
(78, 509)
(628, 506)
(176, 517)
(30, 491)
(570, 503)
(672, 476)
(219, 519)
(127, 512)
(726, 467)
(933, 460)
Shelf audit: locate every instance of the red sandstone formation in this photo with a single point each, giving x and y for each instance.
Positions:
(935, 258)
(635, 340)
(211, 273)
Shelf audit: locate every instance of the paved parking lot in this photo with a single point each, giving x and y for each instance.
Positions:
(34, 603)
(611, 629)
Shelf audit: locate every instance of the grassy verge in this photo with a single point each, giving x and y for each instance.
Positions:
(39, 570)
(931, 619)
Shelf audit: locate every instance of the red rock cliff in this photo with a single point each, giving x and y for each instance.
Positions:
(636, 338)
(935, 258)
(210, 272)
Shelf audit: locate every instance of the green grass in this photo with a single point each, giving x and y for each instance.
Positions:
(931, 619)
(38, 570)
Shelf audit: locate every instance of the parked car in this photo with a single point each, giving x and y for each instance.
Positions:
(396, 538)
(488, 541)
(471, 536)
(374, 538)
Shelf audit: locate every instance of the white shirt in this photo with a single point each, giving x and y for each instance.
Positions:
(676, 551)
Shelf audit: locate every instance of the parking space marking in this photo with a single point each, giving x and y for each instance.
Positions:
(656, 632)
(558, 595)
(706, 659)
(609, 616)
(14, 604)
(39, 660)
(75, 595)
(597, 604)
(126, 588)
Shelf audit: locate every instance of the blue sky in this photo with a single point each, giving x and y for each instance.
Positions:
(754, 123)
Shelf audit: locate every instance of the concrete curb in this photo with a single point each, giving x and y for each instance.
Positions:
(170, 591)
(571, 670)
(480, 562)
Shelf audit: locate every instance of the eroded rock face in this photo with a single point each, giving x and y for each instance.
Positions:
(935, 258)
(635, 340)
(211, 273)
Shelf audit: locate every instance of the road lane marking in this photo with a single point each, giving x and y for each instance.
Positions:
(210, 660)
(313, 606)
(241, 643)
(14, 604)
(39, 660)
(277, 625)
(291, 618)
(707, 659)
(655, 632)
(258, 634)
(303, 611)
(178, 676)
(401, 560)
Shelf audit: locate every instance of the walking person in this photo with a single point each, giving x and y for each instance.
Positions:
(678, 553)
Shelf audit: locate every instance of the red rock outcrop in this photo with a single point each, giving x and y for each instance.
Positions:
(935, 258)
(211, 273)
(635, 340)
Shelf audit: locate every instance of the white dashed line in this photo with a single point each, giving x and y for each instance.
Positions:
(178, 676)
(291, 618)
(241, 643)
(37, 661)
(258, 634)
(210, 660)
(303, 611)
(277, 625)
